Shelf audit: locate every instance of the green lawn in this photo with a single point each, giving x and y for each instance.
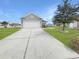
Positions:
(63, 37)
(4, 32)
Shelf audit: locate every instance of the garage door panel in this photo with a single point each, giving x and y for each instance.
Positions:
(31, 24)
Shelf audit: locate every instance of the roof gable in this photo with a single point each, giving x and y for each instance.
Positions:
(31, 15)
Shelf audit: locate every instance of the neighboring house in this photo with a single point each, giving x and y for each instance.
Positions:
(32, 21)
(14, 25)
(11, 25)
(78, 25)
(75, 24)
(0, 24)
(49, 25)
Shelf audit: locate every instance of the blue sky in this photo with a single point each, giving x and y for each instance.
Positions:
(13, 10)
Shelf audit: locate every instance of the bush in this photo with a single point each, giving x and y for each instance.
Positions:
(43, 26)
(75, 42)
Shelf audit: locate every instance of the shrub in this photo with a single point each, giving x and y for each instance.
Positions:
(75, 42)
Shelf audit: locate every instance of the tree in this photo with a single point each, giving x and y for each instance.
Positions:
(66, 13)
(4, 23)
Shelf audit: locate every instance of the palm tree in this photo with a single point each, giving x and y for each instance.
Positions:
(4, 23)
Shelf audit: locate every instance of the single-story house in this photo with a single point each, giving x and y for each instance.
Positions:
(9, 25)
(75, 24)
(14, 25)
(32, 21)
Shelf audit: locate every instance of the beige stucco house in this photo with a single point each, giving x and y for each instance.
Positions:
(32, 21)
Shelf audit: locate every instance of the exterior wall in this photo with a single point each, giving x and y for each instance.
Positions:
(21, 23)
(73, 25)
(78, 25)
(31, 22)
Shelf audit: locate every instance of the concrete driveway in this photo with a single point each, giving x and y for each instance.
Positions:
(34, 44)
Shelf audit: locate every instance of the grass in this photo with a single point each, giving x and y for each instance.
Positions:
(63, 37)
(4, 32)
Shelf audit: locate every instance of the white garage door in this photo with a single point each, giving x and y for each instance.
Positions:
(31, 24)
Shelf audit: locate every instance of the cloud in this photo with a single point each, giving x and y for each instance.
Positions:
(49, 13)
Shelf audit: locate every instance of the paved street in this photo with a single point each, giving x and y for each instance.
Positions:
(33, 44)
